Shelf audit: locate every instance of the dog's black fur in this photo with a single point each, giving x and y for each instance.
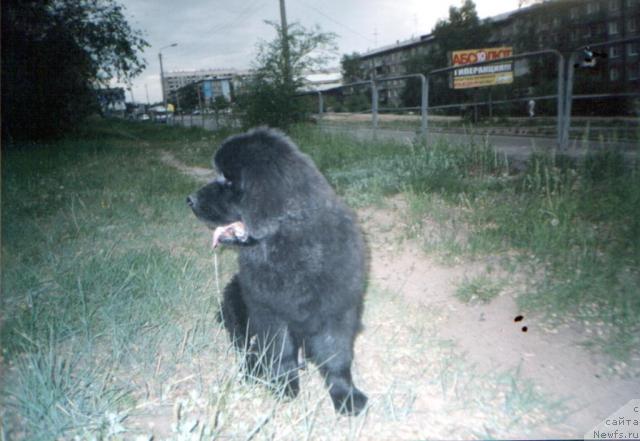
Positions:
(302, 264)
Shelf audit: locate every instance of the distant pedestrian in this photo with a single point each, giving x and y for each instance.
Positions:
(531, 107)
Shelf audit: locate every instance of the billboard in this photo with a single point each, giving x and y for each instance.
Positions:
(481, 76)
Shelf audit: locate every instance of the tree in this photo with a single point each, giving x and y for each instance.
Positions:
(267, 97)
(188, 98)
(350, 67)
(55, 53)
(463, 29)
(219, 104)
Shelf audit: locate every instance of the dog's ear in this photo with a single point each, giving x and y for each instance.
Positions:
(277, 182)
(266, 200)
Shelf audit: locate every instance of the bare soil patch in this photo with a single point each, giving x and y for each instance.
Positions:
(198, 173)
(551, 357)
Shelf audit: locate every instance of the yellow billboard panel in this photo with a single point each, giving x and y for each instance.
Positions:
(481, 76)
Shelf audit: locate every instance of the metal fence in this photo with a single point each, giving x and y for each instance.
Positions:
(564, 96)
(207, 121)
(570, 97)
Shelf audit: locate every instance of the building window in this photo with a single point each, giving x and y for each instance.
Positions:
(614, 5)
(598, 75)
(587, 32)
(593, 7)
(574, 13)
(632, 72)
(614, 74)
(632, 25)
(613, 28)
(614, 52)
(574, 35)
(632, 49)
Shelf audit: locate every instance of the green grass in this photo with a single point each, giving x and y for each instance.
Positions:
(579, 221)
(94, 254)
(372, 170)
(109, 292)
(573, 224)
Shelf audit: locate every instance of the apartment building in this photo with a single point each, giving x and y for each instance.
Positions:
(391, 61)
(563, 25)
(568, 24)
(176, 79)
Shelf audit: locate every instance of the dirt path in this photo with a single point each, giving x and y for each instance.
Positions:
(552, 358)
(198, 173)
(486, 333)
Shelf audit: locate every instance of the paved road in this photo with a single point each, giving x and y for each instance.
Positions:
(516, 147)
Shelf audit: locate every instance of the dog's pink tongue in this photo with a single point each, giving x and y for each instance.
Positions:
(235, 229)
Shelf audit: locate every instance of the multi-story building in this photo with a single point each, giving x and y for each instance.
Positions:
(177, 79)
(391, 60)
(556, 24)
(210, 84)
(566, 25)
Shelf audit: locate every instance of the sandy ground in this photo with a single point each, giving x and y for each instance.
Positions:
(551, 357)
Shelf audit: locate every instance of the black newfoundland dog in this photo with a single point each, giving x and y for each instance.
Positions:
(302, 262)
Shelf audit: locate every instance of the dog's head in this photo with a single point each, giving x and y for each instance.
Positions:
(250, 187)
(263, 180)
(216, 203)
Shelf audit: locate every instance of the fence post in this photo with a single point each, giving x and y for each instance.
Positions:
(570, 74)
(320, 104)
(566, 125)
(490, 105)
(560, 103)
(424, 106)
(374, 104)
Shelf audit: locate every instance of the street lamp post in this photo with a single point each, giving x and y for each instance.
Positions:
(164, 92)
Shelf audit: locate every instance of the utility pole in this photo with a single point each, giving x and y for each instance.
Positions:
(164, 92)
(285, 44)
(133, 100)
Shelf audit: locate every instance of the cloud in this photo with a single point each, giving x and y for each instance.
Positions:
(223, 34)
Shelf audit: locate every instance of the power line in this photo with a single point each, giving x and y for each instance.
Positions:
(335, 21)
(244, 14)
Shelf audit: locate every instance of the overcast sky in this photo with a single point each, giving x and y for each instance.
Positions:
(223, 34)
